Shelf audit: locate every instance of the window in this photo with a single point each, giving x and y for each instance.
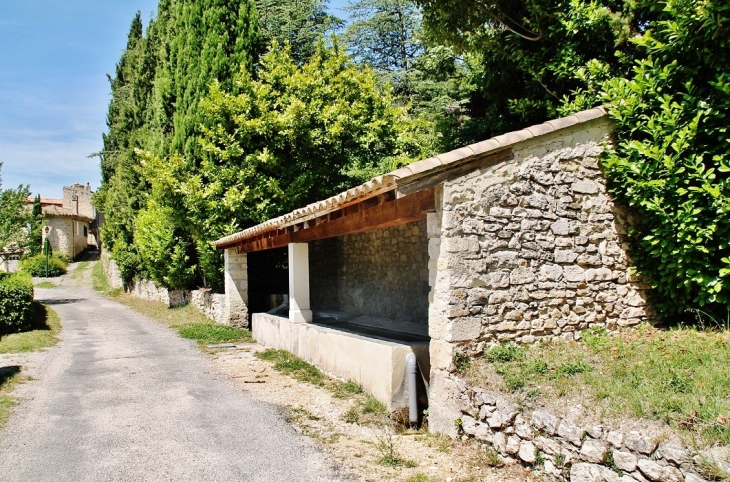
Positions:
(86, 231)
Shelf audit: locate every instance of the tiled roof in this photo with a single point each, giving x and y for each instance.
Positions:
(390, 181)
(60, 212)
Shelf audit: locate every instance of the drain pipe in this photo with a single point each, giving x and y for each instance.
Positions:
(412, 371)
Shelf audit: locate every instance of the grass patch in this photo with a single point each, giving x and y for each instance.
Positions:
(186, 320)
(42, 334)
(100, 282)
(45, 284)
(293, 366)
(211, 333)
(677, 376)
(79, 271)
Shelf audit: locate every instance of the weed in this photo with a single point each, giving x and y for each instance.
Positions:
(461, 363)
(345, 389)
(492, 458)
(352, 415)
(610, 463)
(386, 442)
(570, 369)
(560, 460)
(711, 470)
(504, 353)
(293, 366)
(539, 458)
(373, 406)
(419, 478)
(595, 338)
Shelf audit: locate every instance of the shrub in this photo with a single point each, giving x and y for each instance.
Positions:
(672, 161)
(16, 301)
(36, 265)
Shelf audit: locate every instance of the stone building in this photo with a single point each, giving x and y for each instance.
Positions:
(512, 238)
(72, 221)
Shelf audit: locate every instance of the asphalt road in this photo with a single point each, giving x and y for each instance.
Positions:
(122, 397)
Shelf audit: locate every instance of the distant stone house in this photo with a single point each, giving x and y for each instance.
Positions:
(512, 238)
(71, 221)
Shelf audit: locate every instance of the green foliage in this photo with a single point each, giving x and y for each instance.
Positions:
(16, 302)
(14, 217)
(156, 90)
(36, 265)
(163, 250)
(301, 25)
(671, 163)
(535, 59)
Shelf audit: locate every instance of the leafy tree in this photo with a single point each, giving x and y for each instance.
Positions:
(14, 216)
(299, 23)
(535, 59)
(672, 161)
(383, 35)
(156, 89)
(294, 135)
(36, 227)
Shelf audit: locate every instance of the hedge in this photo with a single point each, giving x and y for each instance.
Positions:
(16, 299)
(36, 265)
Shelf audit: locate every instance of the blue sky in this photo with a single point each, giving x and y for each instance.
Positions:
(54, 57)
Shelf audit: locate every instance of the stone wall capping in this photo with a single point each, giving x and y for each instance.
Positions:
(426, 165)
(514, 137)
(453, 156)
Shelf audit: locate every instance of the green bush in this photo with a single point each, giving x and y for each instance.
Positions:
(672, 161)
(36, 265)
(16, 299)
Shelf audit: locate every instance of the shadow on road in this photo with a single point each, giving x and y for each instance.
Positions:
(60, 301)
(6, 373)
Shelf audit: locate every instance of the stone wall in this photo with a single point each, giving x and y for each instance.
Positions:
(82, 205)
(567, 450)
(148, 290)
(210, 304)
(532, 248)
(111, 270)
(379, 273)
(67, 236)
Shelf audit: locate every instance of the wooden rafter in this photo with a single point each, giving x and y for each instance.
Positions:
(384, 212)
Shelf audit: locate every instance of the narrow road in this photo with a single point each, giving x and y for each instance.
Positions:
(124, 398)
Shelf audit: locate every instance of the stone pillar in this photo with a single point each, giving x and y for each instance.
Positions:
(443, 395)
(299, 308)
(236, 281)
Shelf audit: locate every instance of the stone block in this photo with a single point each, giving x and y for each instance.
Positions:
(545, 421)
(593, 451)
(625, 461)
(587, 472)
(639, 442)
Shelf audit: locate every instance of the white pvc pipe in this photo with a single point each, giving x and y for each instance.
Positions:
(411, 371)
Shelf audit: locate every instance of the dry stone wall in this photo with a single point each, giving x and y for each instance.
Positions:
(210, 304)
(381, 273)
(564, 450)
(529, 249)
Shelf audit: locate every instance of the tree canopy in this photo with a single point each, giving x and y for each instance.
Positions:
(15, 217)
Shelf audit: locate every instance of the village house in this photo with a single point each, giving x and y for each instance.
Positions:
(70, 223)
(513, 238)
